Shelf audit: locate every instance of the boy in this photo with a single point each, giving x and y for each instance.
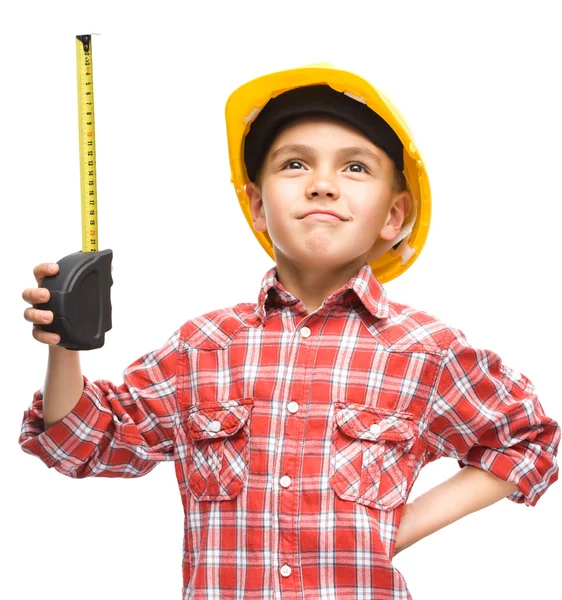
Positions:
(298, 424)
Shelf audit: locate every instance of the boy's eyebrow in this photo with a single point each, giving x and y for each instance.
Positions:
(349, 152)
(293, 149)
(359, 151)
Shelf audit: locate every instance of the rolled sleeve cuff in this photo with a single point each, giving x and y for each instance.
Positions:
(67, 443)
(532, 478)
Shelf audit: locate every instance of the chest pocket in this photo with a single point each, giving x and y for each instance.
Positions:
(219, 450)
(370, 458)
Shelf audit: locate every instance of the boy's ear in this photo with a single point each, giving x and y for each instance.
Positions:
(399, 208)
(253, 192)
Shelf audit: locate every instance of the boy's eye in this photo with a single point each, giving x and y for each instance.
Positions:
(357, 167)
(292, 164)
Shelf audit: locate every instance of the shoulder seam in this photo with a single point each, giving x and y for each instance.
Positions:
(213, 330)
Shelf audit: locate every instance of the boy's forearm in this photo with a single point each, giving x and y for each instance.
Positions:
(64, 384)
(467, 491)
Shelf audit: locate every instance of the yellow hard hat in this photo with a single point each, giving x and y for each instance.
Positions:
(392, 257)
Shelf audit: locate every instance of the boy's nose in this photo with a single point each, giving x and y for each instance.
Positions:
(322, 187)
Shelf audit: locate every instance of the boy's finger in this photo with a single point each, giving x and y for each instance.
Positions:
(44, 336)
(43, 270)
(36, 295)
(34, 315)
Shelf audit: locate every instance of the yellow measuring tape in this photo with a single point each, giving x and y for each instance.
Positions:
(87, 143)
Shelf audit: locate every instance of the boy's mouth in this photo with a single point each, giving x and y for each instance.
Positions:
(322, 215)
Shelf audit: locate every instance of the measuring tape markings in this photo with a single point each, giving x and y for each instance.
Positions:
(87, 143)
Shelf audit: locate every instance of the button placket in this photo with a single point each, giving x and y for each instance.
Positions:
(287, 501)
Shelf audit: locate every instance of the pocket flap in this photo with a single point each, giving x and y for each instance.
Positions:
(218, 420)
(370, 423)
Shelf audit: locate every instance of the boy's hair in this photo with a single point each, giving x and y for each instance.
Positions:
(398, 180)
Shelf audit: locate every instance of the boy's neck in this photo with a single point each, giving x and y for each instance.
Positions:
(311, 285)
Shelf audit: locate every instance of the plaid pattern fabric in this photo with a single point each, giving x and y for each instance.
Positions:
(297, 437)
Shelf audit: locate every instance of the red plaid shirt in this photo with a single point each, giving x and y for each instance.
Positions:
(297, 437)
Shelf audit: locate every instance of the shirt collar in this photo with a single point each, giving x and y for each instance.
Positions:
(368, 289)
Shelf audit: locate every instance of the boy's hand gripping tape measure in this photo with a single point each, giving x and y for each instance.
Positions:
(80, 298)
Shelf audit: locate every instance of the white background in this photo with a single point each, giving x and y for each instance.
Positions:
(479, 84)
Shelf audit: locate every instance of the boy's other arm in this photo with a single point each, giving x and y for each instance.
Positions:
(491, 421)
(467, 491)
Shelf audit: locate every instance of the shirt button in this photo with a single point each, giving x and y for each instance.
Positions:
(516, 375)
(285, 481)
(285, 570)
(215, 426)
(293, 407)
(305, 332)
(375, 429)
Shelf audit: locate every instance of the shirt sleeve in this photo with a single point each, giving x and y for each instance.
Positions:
(486, 415)
(113, 431)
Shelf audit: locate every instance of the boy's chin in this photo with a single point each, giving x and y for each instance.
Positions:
(321, 261)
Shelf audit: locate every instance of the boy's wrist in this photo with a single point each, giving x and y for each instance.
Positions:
(62, 354)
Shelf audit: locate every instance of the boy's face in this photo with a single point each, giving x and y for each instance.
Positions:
(316, 163)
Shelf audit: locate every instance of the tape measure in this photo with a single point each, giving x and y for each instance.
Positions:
(87, 143)
(80, 291)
